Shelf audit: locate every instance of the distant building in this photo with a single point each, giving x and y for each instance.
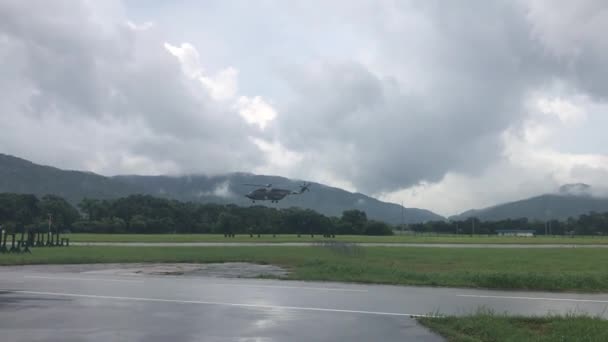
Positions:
(515, 232)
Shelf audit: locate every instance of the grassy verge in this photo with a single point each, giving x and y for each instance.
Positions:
(464, 239)
(535, 269)
(490, 327)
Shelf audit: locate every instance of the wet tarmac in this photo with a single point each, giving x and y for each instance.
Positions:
(221, 270)
(88, 304)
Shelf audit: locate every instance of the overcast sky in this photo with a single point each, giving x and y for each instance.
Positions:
(444, 105)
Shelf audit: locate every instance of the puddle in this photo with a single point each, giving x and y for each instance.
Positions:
(220, 270)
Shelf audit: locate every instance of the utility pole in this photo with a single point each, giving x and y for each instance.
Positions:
(472, 226)
(50, 220)
(547, 221)
(402, 217)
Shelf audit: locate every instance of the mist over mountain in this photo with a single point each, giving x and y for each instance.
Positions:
(577, 189)
(22, 176)
(571, 200)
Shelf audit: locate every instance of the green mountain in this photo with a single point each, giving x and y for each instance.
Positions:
(551, 206)
(22, 176)
(229, 188)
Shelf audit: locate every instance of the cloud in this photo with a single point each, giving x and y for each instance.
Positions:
(91, 89)
(221, 190)
(428, 105)
(256, 110)
(566, 111)
(530, 165)
(222, 86)
(441, 105)
(188, 57)
(572, 35)
(429, 116)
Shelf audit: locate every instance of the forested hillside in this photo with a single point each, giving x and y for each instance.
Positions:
(148, 214)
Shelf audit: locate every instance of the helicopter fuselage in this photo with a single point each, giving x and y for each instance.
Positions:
(268, 194)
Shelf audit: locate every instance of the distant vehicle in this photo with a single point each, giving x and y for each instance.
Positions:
(266, 192)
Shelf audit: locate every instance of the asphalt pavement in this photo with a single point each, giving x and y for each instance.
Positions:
(77, 305)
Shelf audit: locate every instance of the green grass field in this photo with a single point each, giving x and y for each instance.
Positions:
(464, 239)
(489, 327)
(573, 269)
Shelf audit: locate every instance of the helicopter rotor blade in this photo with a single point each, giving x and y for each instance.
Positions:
(260, 185)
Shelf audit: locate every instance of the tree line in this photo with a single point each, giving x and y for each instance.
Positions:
(593, 223)
(148, 214)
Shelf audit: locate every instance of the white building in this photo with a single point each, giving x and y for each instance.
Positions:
(515, 232)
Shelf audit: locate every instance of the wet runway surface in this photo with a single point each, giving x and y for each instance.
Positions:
(78, 305)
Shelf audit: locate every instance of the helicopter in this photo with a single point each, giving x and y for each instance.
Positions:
(266, 192)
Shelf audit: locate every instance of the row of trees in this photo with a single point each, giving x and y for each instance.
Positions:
(148, 214)
(587, 224)
(19, 210)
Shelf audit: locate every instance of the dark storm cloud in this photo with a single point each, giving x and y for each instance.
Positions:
(81, 63)
(475, 74)
(379, 94)
(473, 68)
(574, 34)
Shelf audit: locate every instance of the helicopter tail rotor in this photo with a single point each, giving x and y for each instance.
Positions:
(304, 187)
